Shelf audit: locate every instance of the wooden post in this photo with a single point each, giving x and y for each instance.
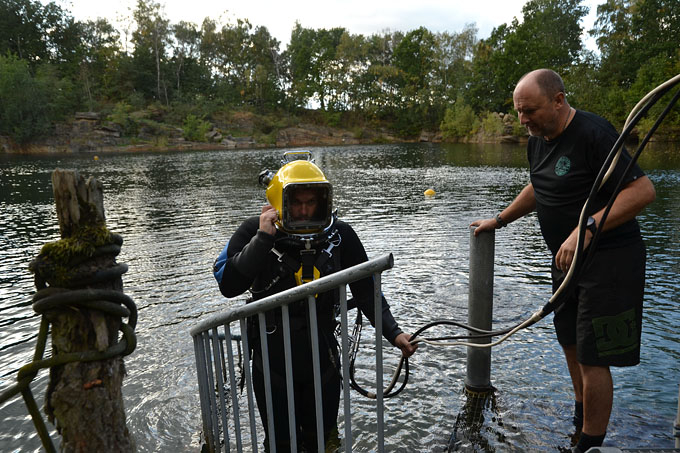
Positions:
(84, 398)
(76, 198)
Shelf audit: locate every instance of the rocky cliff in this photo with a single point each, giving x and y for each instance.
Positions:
(89, 132)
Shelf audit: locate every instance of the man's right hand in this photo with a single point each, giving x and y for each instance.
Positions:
(484, 225)
(268, 218)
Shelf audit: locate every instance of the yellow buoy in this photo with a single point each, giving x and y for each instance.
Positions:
(96, 157)
(430, 193)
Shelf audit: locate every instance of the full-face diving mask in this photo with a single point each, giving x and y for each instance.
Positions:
(301, 195)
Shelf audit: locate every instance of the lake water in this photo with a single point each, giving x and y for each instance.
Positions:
(176, 210)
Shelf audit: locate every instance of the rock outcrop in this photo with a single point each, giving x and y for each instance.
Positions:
(88, 132)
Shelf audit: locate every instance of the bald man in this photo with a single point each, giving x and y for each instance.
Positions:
(600, 324)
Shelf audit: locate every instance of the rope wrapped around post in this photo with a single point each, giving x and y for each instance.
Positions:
(79, 296)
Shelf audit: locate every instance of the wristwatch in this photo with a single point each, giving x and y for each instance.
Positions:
(591, 225)
(500, 221)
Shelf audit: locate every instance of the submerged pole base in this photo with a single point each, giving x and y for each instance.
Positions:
(469, 428)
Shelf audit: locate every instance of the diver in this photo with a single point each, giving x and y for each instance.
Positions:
(297, 238)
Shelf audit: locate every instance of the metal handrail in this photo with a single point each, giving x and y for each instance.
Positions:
(214, 372)
(321, 285)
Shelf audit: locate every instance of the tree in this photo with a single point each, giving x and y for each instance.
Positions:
(268, 68)
(23, 111)
(376, 86)
(38, 33)
(23, 29)
(99, 52)
(487, 90)
(415, 58)
(459, 120)
(612, 31)
(312, 56)
(232, 44)
(151, 39)
(629, 33)
(187, 39)
(549, 36)
(454, 53)
(638, 41)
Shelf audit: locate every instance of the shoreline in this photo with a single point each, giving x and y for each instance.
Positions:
(89, 135)
(52, 146)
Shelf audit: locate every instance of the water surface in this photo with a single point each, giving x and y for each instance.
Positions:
(175, 211)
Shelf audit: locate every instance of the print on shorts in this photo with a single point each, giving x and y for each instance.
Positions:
(562, 166)
(616, 334)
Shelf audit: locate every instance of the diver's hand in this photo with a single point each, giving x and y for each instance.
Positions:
(407, 349)
(484, 225)
(565, 255)
(267, 219)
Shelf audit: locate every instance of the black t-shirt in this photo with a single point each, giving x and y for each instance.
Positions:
(563, 172)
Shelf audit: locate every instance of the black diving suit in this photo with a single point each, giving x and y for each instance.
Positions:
(252, 265)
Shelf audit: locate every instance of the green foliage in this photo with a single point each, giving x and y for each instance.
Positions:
(121, 115)
(492, 124)
(24, 114)
(195, 128)
(62, 97)
(453, 57)
(333, 119)
(517, 129)
(266, 139)
(414, 57)
(409, 121)
(36, 32)
(549, 36)
(656, 71)
(161, 142)
(53, 66)
(459, 121)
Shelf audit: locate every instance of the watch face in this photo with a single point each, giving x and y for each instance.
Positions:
(590, 224)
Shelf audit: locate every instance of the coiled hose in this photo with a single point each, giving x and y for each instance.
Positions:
(46, 299)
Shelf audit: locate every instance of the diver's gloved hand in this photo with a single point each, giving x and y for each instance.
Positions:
(402, 342)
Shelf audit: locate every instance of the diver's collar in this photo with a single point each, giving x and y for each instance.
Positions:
(310, 239)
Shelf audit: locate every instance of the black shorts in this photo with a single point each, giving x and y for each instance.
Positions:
(603, 316)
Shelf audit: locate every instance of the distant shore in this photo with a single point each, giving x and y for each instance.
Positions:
(89, 133)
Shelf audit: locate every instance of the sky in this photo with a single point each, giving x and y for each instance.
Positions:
(358, 16)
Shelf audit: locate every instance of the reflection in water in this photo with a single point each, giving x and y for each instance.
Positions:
(175, 211)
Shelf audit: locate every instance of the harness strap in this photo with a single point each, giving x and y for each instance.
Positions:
(308, 267)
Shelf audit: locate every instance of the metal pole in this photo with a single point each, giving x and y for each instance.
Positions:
(316, 369)
(676, 428)
(480, 308)
(377, 310)
(345, 368)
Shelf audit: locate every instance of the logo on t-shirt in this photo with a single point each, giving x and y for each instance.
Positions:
(562, 166)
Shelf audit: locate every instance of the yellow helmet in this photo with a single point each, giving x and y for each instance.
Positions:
(302, 197)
